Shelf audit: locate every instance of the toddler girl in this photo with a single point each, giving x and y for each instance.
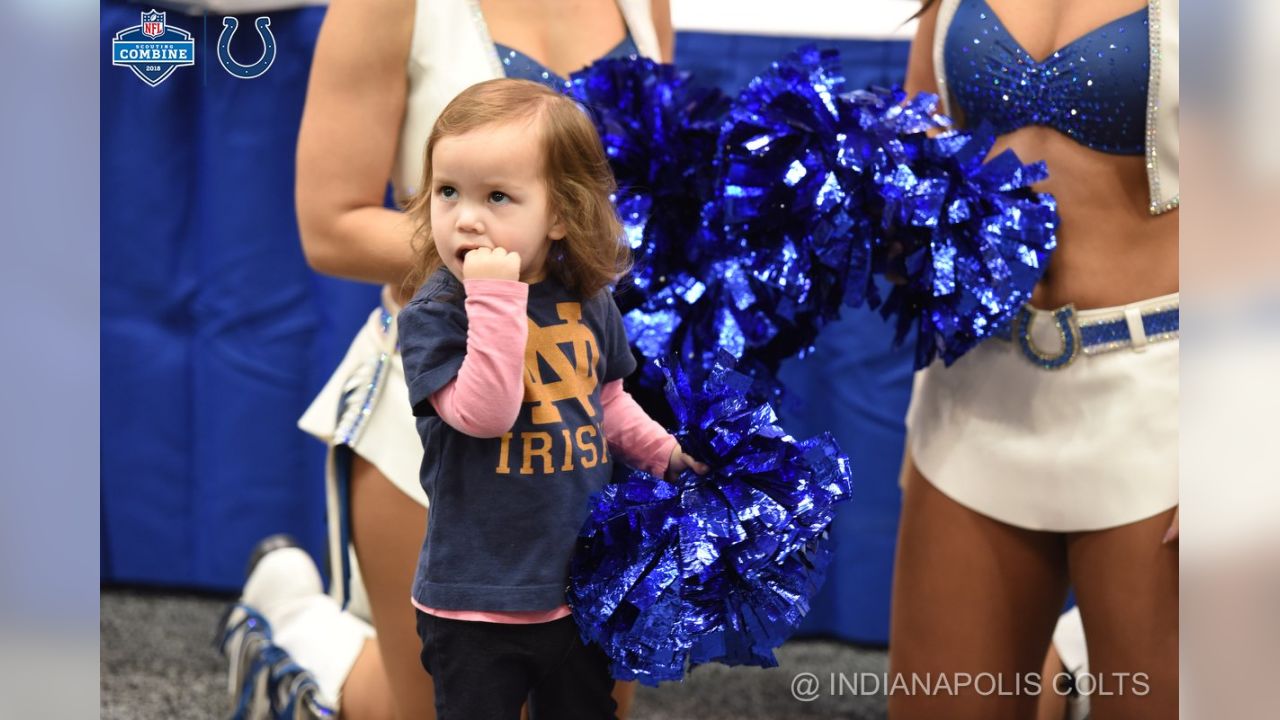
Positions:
(514, 354)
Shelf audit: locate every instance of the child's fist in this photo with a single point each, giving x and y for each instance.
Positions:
(680, 461)
(491, 264)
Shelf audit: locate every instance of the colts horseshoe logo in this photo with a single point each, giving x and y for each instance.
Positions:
(246, 72)
(1068, 331)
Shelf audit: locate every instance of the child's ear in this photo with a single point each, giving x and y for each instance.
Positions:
(558, 230)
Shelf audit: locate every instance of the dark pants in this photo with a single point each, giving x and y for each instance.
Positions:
(486, 671)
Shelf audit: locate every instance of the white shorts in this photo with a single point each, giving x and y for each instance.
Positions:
(364, 408)
(1089, 446)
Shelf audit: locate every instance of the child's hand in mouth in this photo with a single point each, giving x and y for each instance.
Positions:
(489, 263)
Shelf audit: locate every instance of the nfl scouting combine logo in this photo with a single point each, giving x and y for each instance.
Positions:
(153, 49)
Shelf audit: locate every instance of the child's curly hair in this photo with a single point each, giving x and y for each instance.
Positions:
(593, 253)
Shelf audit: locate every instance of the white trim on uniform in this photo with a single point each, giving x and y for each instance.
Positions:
(836, 19)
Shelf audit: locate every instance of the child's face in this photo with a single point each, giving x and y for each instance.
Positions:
(487, 190)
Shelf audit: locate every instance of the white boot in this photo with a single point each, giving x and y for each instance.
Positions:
(1068, 640)
(290, 646)
(325, 640)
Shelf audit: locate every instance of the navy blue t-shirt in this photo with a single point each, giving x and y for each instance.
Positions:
(505, 512)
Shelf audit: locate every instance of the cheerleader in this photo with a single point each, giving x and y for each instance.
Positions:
(1049, 459)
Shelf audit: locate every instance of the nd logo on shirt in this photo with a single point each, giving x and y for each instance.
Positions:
(559, 377)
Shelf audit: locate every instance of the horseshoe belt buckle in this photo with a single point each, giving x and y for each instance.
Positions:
(1068, 330)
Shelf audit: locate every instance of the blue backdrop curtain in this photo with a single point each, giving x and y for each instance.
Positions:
(215, 334)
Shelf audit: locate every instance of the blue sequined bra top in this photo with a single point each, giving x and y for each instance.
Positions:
(1094, 89)
(520, 66)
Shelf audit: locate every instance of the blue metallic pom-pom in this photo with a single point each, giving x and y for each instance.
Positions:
(784, 209)
(659, 132)
(713, 568)
(970, 241)
(822, 189)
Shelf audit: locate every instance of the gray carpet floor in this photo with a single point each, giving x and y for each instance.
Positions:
(159, 663)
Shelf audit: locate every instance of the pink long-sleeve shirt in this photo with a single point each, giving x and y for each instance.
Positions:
(485, 398)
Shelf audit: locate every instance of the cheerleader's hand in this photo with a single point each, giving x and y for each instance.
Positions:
(680, 461)
(1171, 535)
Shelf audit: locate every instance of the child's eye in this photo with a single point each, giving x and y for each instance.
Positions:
(498, 196)
(447, 192)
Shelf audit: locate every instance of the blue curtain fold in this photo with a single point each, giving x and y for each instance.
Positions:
(215, 334)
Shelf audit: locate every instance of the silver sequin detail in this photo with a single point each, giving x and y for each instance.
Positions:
(1101, 319)
(1124, 344)
(1153, 106)
(352, 416)
(482, 27)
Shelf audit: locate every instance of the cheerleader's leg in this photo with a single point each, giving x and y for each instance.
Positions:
(1126, 584)
(387, 527)
(1052, 705)
(1066, 660)
(974, 599)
